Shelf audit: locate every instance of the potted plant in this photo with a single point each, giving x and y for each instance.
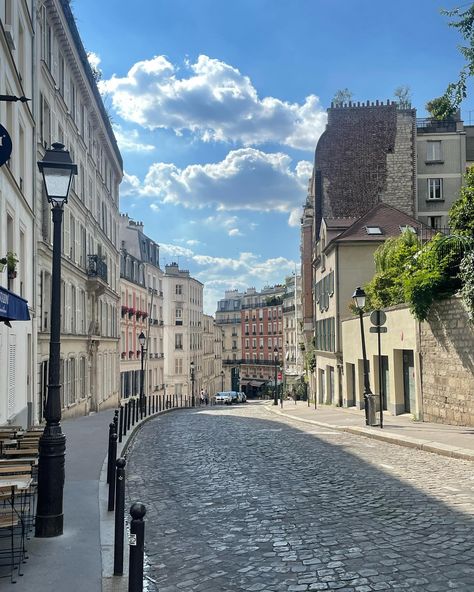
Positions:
(10, 260)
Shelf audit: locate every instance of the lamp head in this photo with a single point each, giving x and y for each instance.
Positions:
(359, 298)
(57, 169)
(142, 339)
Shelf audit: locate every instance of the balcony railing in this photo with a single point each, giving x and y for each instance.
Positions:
(96, 267)
(432, 126)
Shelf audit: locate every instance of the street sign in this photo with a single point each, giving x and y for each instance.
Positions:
(280, 376)
(378, 329)
(5, 145)
(378, 318)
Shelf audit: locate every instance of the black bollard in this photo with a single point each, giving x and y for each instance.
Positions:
(120, 432)
(137, 548)
(125, 418)
(137, 410)
(133, 412)
(181, 400)
(119, 516)
(109, 450)
(129, 414)
(113, 455)
(142, 406)
(116, 420)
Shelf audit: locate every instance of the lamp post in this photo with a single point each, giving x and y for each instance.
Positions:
(192, 384)
(222, 377)
(359, 301)
(275, 360)
(141, 340)
(57, 169)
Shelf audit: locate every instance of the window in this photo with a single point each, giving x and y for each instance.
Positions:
(433, 151)
(179, 289)
(434, 222)
(373, 230)
(178, 366)
(178, 341)
(435, 188)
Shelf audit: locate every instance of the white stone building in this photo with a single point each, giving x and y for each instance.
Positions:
(69, 110)
(17, 199)
(183, 335)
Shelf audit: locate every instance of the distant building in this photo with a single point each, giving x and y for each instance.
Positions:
(293, 361)
(183, 331)
(261, 320)
(228, 319)
(141, 310)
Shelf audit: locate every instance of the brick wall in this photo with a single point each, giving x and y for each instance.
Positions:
(447, 349)
(366, 155)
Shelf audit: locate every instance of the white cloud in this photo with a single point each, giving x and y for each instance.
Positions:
(94, 60)
(154, 207)
(215, 102)
(246, 179)
(294, 218)
(234, 232)
(168, 250)
(128, 140)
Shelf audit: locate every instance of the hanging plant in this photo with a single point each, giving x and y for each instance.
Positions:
(10, 260)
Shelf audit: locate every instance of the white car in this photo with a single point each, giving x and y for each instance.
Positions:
(224, 397)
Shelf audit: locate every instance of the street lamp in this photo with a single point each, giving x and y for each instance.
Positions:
(359, 301)
(192, 384)
(141, 340)
(275, 360)
(222, 377)
(57, 169)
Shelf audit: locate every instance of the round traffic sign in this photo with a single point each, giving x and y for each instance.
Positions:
(378, 318)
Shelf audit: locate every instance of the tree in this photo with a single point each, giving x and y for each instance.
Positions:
(464, 23)
(440, 108)
(341, 96)
(403, 96)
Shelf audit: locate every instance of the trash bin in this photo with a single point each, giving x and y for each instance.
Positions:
(372, 408)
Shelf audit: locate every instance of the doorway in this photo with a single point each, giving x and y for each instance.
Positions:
(409, 381)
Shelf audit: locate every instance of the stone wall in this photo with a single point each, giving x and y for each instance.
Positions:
(447, 353)
(366, 155)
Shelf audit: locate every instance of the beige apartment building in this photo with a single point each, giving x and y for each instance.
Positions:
(293, 361)
(69, 110)
(211, 356)
(183, 332)
(228, 319)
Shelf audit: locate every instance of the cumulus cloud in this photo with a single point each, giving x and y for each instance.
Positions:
(93, 59)
(129, 141)
(214, 101)
(234, 232)
(246, 179)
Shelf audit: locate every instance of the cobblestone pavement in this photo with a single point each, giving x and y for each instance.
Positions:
(240, 499)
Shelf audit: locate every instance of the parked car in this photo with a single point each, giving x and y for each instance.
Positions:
(223, 397)
(234, 397)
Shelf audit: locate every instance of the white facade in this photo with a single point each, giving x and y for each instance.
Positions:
(183, 336)
(69, 110)
(292, 332)
(17, 198)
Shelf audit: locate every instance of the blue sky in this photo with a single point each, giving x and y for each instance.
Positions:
(218, 106)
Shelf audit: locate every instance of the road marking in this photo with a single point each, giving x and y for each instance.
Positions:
(450, 488)
(386, 466)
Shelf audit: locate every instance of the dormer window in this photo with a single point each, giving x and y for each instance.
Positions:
(373, 230)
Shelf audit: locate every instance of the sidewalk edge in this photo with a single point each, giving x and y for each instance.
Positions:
(407, 441)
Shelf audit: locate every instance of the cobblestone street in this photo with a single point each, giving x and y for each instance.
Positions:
(240, 499)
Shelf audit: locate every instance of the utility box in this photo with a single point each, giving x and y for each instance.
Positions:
(372, 402)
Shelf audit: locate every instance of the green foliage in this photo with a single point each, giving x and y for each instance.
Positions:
(403, 96)
(464, 23)
(461, 214)
(467, 277)
(440, 108)
(341, 96)
(408, 272)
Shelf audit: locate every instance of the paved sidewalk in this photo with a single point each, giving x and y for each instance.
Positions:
(447, 440)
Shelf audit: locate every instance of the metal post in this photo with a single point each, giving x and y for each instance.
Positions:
(129, 414)
(142, 380)
(380, 377)
(125, 418)
(109, 450)
(116, 420)
(120, 433)
(366, 373)
(119, 516)
(137, 547)
(52, 443)
(275, 394)
(113, 457)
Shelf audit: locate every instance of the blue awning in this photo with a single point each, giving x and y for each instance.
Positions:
(13, 307)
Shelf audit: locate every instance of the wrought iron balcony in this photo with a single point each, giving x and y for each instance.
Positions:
(96, 267)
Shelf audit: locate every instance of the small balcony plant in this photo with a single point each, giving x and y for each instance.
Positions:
(10, 260)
